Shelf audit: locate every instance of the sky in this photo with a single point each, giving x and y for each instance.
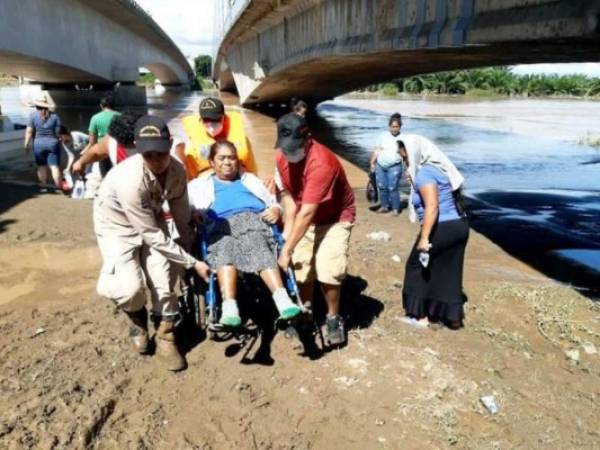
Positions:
(190, 24)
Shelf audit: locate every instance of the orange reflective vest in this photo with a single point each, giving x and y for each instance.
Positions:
(198, 147)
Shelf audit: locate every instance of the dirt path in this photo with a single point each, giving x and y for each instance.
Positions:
(68, 381)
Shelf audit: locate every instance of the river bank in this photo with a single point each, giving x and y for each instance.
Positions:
(561, 119)
(68, 379)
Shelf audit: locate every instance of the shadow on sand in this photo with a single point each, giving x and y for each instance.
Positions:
(257, 309)
(11, 195)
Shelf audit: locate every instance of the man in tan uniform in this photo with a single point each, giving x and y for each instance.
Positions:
(142, 223)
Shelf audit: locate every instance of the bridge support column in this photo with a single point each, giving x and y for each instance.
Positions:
(70, 95)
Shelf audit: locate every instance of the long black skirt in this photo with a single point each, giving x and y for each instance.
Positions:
(436, 291)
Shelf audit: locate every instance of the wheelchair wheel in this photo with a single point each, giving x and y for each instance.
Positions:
(211, 320)
(202, 320)
(195, 303)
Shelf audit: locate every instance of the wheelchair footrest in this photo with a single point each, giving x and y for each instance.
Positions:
(218, 328)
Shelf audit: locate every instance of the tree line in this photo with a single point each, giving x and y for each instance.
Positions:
(490, 80)
(202, 71)
(493, 80)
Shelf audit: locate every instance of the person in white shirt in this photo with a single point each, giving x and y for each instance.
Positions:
(387, 165)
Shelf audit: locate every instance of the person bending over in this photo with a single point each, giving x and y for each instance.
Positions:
(117, 145)
(237, 210)
(319, 215)
(433, 277)
(142, 223)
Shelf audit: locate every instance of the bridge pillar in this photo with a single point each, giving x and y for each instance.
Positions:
(85, 94)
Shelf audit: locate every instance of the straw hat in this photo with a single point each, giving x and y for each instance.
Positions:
(41, 102)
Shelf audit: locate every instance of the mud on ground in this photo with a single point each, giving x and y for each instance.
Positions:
(69, 381)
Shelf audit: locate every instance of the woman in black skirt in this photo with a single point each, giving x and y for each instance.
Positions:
(433, 279)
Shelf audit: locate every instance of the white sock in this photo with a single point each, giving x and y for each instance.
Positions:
(230, 308)
(282, 299)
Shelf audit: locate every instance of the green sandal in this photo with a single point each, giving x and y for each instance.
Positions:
(290, 313)
(231, 321)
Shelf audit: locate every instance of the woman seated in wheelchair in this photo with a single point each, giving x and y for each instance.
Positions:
(238, 210)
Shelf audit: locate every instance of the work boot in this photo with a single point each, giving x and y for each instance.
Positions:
(166, 347)
(138, 331)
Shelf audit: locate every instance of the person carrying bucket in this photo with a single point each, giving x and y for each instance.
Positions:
(210, 125)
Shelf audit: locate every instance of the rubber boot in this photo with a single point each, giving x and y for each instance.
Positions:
(166, 347)
(138, 331)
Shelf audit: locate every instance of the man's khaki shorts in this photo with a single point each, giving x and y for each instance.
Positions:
(322, 254)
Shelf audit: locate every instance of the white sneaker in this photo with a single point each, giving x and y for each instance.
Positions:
(411, 321)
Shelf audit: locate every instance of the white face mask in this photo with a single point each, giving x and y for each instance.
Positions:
(213, 128)
(296, 156)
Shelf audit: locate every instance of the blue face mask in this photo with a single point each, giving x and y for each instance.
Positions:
(296, 156)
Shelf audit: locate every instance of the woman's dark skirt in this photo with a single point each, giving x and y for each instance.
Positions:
(436, 291)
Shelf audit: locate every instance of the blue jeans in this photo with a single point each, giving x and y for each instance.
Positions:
(388, 184)
(46, 152)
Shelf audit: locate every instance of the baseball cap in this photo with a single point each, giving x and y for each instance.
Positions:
(211, 108)
(152, 135)
(292, 130)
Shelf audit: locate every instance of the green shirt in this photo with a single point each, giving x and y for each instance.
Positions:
(100, 122)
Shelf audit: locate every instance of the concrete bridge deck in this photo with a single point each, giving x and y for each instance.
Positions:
(70, 45)
(319, 49)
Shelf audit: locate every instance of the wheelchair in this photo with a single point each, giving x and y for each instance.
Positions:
(200, 303)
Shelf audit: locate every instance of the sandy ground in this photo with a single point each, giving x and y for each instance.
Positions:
(568, 119)
(69, 381)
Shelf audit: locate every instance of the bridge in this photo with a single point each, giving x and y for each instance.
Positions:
(271, 50)
(67, 44)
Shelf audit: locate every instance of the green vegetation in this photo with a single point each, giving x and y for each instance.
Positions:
(146, 79)
(206, 83)
(390, 89)
(203, 66)
(493, 81)
(591, 140)
(202, 73)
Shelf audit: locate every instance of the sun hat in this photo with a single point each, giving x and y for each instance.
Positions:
(41, 102)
